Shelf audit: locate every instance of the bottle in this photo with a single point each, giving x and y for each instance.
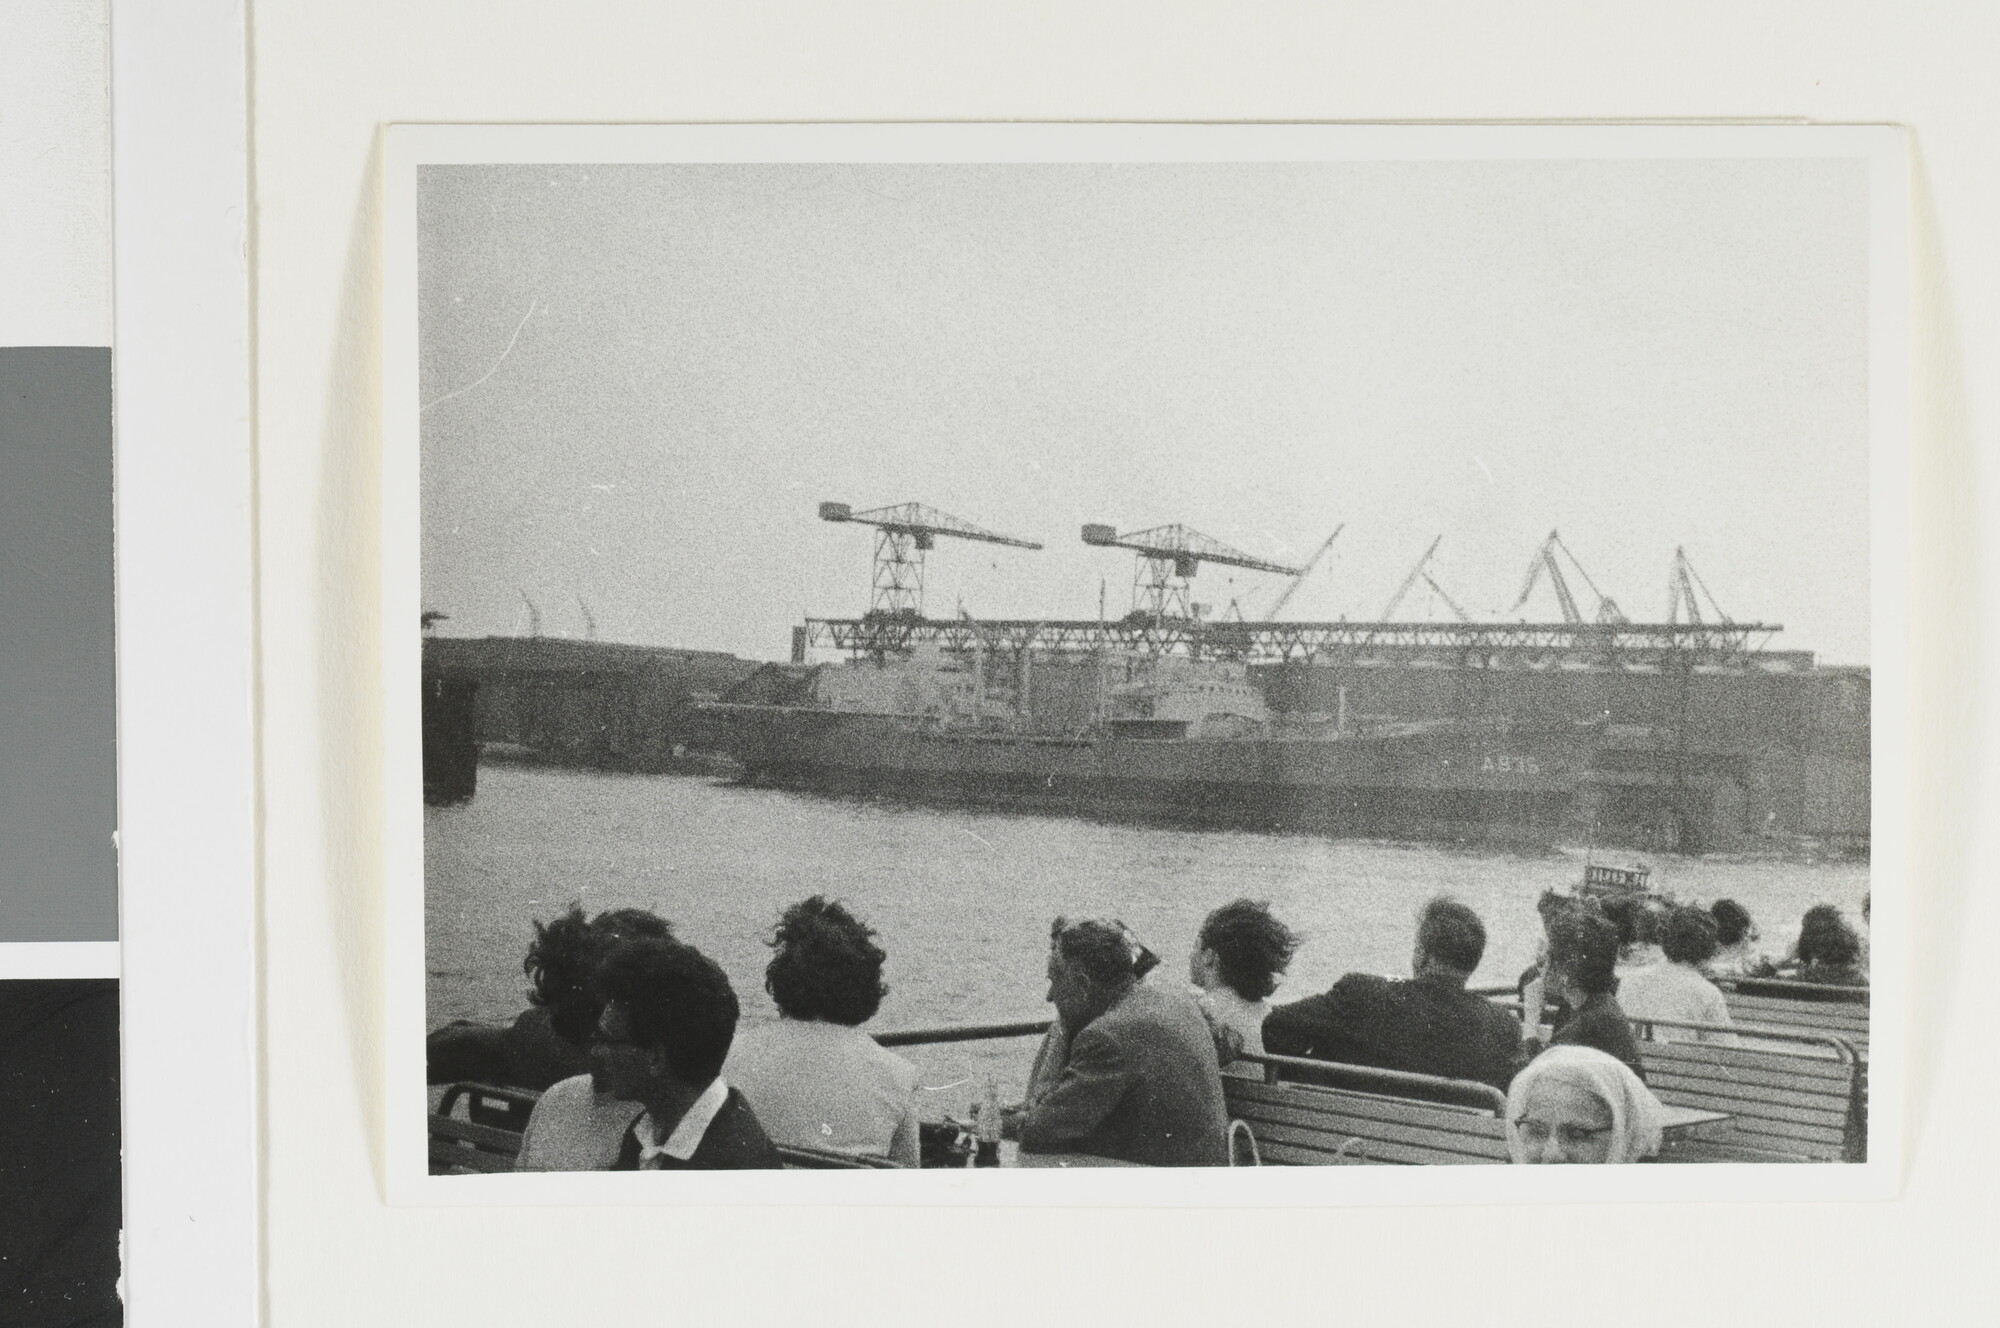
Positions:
(988, 1127)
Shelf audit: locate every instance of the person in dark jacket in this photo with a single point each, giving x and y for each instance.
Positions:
(1428, 1024)
(669, 1017)
(1140, 1082)
(1583, 962)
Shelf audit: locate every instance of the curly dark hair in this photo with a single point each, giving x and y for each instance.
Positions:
(1584, 948)
(564, 953)
(1251, 947)
(1690, 936)
(1825, 939)
(675, 998)
(1732, 921)
(1622, 912)
(827, 965)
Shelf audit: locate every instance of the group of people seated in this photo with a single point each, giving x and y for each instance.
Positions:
(631, 1036)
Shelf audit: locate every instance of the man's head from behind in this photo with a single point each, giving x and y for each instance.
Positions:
(669, 1017)
(1092, 964)
(1451, 940)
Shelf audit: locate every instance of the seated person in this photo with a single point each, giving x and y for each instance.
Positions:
(1735, 937)
(548, 1041)
(1539, 1005)
(1829, 950)
(1675, 988)
(813, 1077)
(1054, 1049)
(1583, 961)
(669, 1017)
(1828, 953)
(1239, 957)
(1429, 1024)
(1139, 1082)
(1578, 1105)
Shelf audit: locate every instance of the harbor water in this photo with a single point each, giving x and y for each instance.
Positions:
(962, 899)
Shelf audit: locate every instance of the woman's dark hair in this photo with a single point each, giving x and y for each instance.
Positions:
(1732, 921)
(1825, 939)
(1622, 912)
(564, 953)
(827, 964)
(1583, 947)
(1690, 936)
(1251, 947)
(674, 998)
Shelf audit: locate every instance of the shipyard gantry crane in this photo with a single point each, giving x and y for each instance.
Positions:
(1168, 557)
(1545, 563)
(903, 533)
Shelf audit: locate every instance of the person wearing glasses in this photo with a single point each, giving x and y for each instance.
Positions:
(669, 1017)
(1578, 1105)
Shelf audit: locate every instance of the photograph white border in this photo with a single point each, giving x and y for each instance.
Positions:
(1884, 148)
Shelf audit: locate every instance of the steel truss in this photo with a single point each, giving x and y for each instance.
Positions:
(1640, 646)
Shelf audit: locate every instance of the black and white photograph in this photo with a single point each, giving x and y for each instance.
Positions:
(1088, 650)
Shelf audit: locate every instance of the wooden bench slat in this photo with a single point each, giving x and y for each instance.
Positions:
(1804, 1110)
(1708, 1151)
(1368, 1149)
(1819, 1137)
(1785, 1076)
(1789, 1096)
(489, 1137)
(1414, 1135)
(448, 1154)
(1756, 1058)
(1311, 1097)
(1277, 1153)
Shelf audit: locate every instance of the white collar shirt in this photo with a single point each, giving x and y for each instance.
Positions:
(687, 1135)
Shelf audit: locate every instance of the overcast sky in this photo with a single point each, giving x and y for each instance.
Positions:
(641, 381)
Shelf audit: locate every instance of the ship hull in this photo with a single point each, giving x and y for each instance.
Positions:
(1461, 783)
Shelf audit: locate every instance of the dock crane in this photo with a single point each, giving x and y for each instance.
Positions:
(1545, 563)
(1421, 572)
(903, 533)
(1168, 557)
(1682, 580)
(1285, 596)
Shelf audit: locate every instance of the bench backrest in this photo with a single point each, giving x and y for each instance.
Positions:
(1839, 1011)
(1804, 1101)
(1309, 1125)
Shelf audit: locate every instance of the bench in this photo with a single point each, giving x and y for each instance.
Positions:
(1804, 1101)
(486, 1140)
(1840, 1012)
(1373, 1118)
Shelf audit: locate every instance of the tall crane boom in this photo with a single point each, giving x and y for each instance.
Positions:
(1682, 581)
(1292, 588)
(1168, 558)
(903, 533)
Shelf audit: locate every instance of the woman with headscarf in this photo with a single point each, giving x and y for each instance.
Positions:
(1578, 1105)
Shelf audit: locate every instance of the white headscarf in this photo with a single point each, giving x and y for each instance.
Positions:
(1636, 1114)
